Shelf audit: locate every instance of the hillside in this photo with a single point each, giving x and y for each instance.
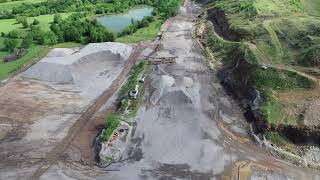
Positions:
(271, 57)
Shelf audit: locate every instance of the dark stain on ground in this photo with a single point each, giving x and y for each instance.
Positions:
(165, 171)
(135, 152)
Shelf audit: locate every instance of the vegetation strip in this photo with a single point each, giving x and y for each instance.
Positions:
(128, 107)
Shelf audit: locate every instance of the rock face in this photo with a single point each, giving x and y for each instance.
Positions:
(63, 65)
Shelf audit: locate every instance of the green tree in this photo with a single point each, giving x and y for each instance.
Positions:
(25, 23)
(14, 34)
(36, 22)
(27, 41)
(23, 20)
(72, 34)
(20, 19)
(37, 34)
(50, 38)
(10, 44)
(57, 18)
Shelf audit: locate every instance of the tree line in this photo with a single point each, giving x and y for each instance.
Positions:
(62, 6)
(166, 8)
(76, 28)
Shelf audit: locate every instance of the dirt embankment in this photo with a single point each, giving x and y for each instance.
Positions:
(235, 77)
(221, 25)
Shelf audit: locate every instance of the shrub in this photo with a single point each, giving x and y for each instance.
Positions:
(27, 41)
(311, 57)
(112, 122)
(10, 44)
(36, 22)
(14, 34)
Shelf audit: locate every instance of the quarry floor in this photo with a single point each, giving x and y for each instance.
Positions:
(205, 138)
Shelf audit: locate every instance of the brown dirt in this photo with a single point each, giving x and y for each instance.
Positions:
(304, 102)
(84, 142)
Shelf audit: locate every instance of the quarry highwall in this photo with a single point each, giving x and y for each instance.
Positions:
(235, 76)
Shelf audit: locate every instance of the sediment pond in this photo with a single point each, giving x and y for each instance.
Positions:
(118, 22)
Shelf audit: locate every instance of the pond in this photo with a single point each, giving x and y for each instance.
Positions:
(119, 22)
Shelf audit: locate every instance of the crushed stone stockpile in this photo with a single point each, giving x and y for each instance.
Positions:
(64, 65)
(162, 82)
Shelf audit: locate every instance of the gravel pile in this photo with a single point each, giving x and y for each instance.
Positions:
(176, 97)
(163, 82)
(64, 66)
(61, 52)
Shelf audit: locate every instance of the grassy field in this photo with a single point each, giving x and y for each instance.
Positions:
(312, 7)
(34, 52)
(281, 29)
(143, 34)
(7, 25)
(11, 4)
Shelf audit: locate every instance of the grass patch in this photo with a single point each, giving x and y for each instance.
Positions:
(270, 81)
(312, 7)
(275, 79)
(67, 45)
(277, 138)
(9, 68)
(112, 122)
(143, 34)
(133, 79)
(7, 25)
(273, 112)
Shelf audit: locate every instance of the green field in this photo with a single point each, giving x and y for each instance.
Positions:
(67, 45)
(143, 34)
(11, 4)
(7, 25)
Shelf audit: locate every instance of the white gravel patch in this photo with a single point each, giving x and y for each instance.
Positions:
(61, 52)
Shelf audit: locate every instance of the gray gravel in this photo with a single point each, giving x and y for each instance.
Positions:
(66, 66)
